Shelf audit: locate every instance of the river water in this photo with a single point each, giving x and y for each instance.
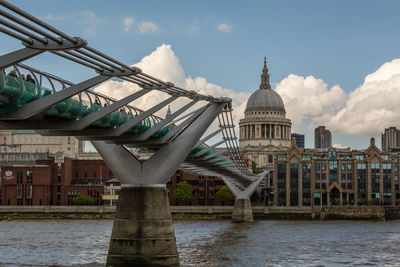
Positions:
(210, 243)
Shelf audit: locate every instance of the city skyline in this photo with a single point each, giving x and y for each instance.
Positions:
(333, 65)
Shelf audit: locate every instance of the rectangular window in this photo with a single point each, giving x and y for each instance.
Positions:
(343, 167)
(317, 167)
(387, 166)
(281, 184)
(323, 167)
(317, 185)
(20, 190)
(323, 185)
(349, 166)
(29, 190)
(396, 160)
(396, 169)
(294, 184)
(375, 165)
(350, 186)
(281, 157)
(361, 166)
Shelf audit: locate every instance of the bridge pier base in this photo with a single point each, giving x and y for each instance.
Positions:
(242, 211)
(143, 233)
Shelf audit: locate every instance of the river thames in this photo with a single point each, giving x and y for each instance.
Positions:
(210, 243)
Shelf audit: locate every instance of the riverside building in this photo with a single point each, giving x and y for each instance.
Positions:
(330, 176)
(264, 129)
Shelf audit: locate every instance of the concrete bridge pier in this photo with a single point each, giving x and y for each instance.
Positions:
(143, 232)
(242, 211)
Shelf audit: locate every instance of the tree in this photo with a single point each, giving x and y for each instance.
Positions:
(83, 200)
(254, 168)
(184, 191)
(225, 194)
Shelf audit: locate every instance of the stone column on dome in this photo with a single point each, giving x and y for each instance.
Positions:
(265, 132)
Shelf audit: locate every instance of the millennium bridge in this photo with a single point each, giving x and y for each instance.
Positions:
(142, 231)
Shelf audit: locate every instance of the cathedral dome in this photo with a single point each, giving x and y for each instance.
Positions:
(265, 98)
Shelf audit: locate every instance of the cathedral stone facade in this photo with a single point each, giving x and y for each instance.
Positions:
(265, 128)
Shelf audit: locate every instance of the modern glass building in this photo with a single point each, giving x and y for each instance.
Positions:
(330, 176)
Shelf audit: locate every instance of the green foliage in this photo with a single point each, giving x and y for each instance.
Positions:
(225, 194)
(83, 200)
(254, 168)
(184, 191)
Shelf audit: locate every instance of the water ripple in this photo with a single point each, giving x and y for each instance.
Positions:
(210, 243)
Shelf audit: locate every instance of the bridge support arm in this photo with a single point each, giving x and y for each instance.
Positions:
(20, 55)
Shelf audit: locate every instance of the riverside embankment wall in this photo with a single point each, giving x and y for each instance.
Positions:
(208, 212)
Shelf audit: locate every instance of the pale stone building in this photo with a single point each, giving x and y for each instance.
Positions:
(265, 128)
(27, 141)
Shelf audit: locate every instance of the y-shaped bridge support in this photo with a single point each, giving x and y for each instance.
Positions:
(143, 233)
(242, 211)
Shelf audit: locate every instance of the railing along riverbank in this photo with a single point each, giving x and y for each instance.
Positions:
(208, 212)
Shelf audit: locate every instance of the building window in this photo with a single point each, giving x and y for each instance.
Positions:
(270, 158)
(359, 157)
(20, 190)
(94, 175)
(281, 184)
(29, 190)
(349, 166)
(281, 157)
(294, 184)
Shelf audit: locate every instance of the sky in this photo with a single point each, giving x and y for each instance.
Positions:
(335, 63)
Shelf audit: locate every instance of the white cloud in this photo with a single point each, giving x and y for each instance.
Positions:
(128, 22)
(372, 106)
(340, 146)
(309, 99)
(147, 27)
(165, 65)
(225, 28)
(88, 19)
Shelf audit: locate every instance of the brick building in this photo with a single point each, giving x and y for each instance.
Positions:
(204, 189)
(53, 181)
